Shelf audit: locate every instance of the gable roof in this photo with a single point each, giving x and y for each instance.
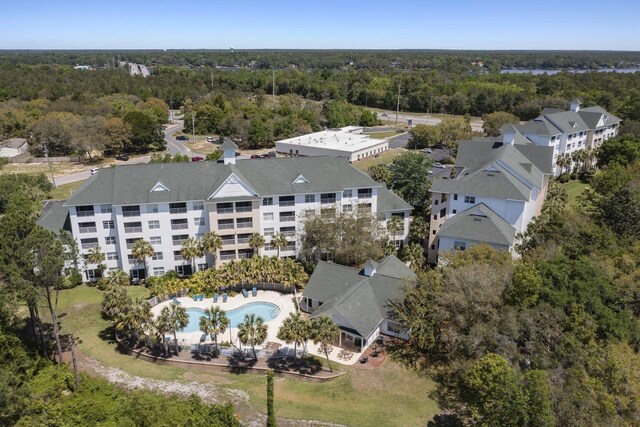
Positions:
(389, 201)
(228, 144)
(567, 121)
(347, 294)
(539, 126)
(55, 216)
(481, 224)
(130, 184)
(13, 143)
(592, 116)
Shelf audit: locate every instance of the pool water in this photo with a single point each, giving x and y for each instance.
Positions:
(265, 310)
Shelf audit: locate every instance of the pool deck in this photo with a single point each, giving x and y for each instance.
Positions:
(284, 301)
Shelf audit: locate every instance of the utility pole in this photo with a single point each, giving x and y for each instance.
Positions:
(398, 106)
(46, 154)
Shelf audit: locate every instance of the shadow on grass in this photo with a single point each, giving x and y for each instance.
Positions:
(308, 366)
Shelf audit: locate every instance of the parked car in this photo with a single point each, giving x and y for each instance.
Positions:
(427, 150)
(94, 171)
(210, 139)
(182, 138)
(122, 157)
(439, 165)
(256, 156)
(197, 159)
(265, 156)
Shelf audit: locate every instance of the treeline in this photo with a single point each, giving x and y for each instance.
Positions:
(328, 59)
(548, 339)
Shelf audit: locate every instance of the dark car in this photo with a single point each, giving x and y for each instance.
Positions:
(197, 159)
(265, 156)
(122, 157)
(182, 138)
(255, 156)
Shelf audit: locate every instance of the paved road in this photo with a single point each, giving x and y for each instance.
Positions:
(79, 176)
(173, 145)
(399, 141)
(476, 125)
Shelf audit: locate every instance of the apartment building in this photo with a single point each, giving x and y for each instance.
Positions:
(498, 188)
(165, 204)
(572, 130)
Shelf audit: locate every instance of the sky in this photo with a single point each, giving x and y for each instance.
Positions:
(320, 24)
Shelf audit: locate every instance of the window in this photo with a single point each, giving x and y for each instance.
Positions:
(227, 255)
(152, 208)
(455, 197)
(177, 208)
(287, 216)
(93, 275)
(111, 240)
(433, 232)
(291, 246)
(244, 222)
(245, 253)
(243, 206)
(112, 256)
(179, 239)
(177, 256)
(198, 206)
(224, 208)
(347, 193)
(157, 256)
(179, 224)
(105, 209)
(267, 201)
(286, 200)
(158, 271)
(309, 198)
(87, 227)
(269, 232)
(268, 247)
(154, 224)
(364, 193)
(131, 211)
(84, 210)
(347, 208)
(108, 225)
(138, 274)
(133, 227)
(469, 199)
(454, 211)
(131, 242)
(202, 267)
(394, 328)
(398, 214)
(225, 224)
(155, 240)
(243, 238)
(228, 240)
(443, 212)
(459, 246)
(267, 216)
(433, 246)
(89, 243)
(288, 231)
(183, 270)
(328, 198)
(198, 221)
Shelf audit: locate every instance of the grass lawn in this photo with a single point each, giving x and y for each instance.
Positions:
(66, 190)
(360, 398)
(386, 157)
(383, 135)
(574, 188)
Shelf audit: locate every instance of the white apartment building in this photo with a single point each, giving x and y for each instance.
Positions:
(499, 187)
(165, 204)
(346, 142)
(572, 130)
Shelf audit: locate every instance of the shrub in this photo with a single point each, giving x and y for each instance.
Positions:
(564, 178)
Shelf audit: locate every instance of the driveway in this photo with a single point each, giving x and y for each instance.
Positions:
(173, 145)
(417, 119)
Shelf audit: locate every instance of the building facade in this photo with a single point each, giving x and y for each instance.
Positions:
(165, 204)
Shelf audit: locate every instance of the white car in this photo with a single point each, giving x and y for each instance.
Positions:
(94, 171)
(439, 165)
(427, 150)
(210, 139)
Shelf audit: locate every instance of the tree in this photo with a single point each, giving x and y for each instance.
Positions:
(214, 321)
(423, 136)
(414, 254)
(538, 394)
(380, 173)
(118, 134)
(279, 241)
(418, 230)
(271, 417)
(191, 249)
(453, 131)
(526, 283)
(88, 135)
(134, 318)
(95, 256)
(256, 242)
(253, 331)
(175, 319)
(294, 329)
(140, 250)
(145, 132)
(211, 243)
(410, 178)
(493, 122)
(260, 135)
(394, 225)
(624, 150)
(115, 301)
(214, 155)
(324, 331)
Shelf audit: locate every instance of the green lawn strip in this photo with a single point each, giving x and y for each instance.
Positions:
(386, 157)
(65, 191)
(574, 189)
(383, 135)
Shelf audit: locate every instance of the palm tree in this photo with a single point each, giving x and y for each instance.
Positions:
(414, 253)
(252, 331)
(324, 331)
(134, 318)
(280, 242)
(117, 278)
(214, 321)
(294, 329)
(191, 249)
(161, 328)
(395, 224)
(141, 250)
(95, 256)
(175, 318)
(115, 301)
(563, 161)
(211, 243)
(256, 242)
(419, 229)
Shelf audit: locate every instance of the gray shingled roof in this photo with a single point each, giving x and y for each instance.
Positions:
(479, 223)
(131, 184)
(388, 201)
(361, 301)
(13, 143)
(539, 126)
(55, 216)
(591, 116)
(567, 121)
(228, 144)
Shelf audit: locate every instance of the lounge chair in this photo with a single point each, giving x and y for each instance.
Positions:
(245, 293)
(175, 301)
(215, 297)
(254, 291)
(364, 360)
(224, 297)
(201, 297)
(195, 297)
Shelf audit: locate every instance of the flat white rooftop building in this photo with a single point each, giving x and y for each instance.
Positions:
(346, 142)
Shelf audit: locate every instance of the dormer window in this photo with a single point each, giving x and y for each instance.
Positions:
(159, 187)
(301, 180)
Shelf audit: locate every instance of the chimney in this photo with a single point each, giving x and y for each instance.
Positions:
(228, 148)
(508, 133)
(370, 268)
(575, 105)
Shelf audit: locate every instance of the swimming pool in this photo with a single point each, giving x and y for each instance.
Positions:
(266, 310)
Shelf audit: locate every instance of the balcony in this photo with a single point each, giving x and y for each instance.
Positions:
(226, 224)
(179, 224)
(365, 193)
(287, 201)
(243, 238)
(177, 208)
(243, 207)
(84, 211)
(224, 208)
(244, 223)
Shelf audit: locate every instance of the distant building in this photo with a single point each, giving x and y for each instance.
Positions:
(13, 147)
(346, 142)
